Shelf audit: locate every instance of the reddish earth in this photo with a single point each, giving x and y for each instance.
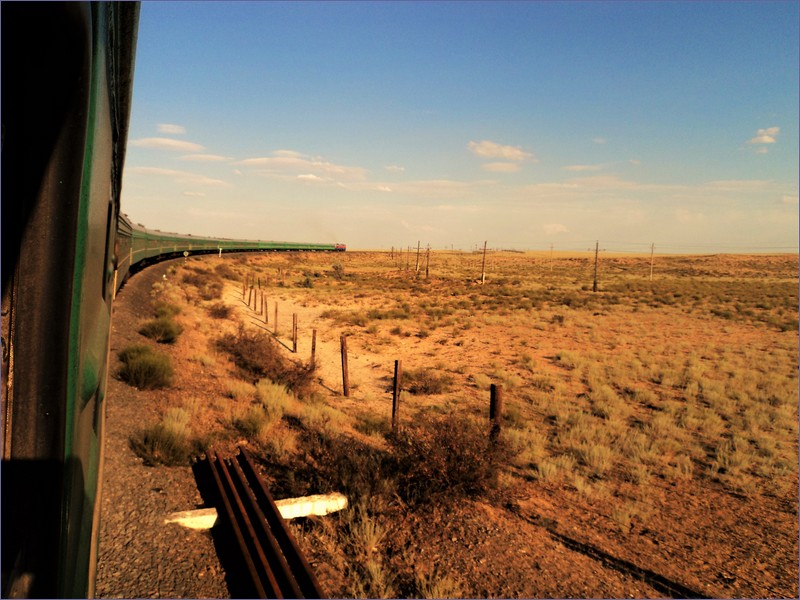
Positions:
(532, 538)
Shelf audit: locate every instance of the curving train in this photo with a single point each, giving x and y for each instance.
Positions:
(137, 247)
(67, 73)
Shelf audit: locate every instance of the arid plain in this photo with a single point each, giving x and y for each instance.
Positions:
(649, 442)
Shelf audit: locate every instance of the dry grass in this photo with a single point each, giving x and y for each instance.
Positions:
(679, 388)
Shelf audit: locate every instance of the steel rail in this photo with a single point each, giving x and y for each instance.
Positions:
(229, 515)
(286, 581)
(271, 555)
(305, 575)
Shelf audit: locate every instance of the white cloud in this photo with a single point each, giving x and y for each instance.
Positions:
(195, 194)
(787, 199)
(501, 167)
(554, 228)
(599, 140)
(312, 178)
(167, 144)
(762, 150)
(180, 176)
(171, 129)
(635, 161)
(765, 136)
(395, 168)
(383, 188)
(206, 158)
(582, 168)
(489, 149)
(286, 162)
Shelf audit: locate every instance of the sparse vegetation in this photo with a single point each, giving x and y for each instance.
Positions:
(144, 368)
(161, 329)
(680, 394)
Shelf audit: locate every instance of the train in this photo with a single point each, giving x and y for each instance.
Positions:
(138, 247)
(67, 76)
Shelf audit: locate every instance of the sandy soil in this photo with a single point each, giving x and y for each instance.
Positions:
(539, 538)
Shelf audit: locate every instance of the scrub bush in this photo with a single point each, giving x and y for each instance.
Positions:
(162, 329)
(144, 368)
(446, 457)
(256, 355)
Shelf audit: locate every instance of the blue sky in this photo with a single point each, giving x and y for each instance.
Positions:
(524, 123)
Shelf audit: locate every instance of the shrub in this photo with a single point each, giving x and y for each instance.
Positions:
(338, 271)
(426, 381)
(220, 310)
(224, 270)
(144, 368)
(165, 309)
(167, 442)
(255, 354)
(161, 329)
(208, 284)
(449, 456)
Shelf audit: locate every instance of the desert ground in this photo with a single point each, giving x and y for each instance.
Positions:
(649, 442)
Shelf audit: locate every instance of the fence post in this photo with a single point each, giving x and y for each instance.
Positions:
(294, 333)
(313, 347)
(275, 324)
(345, 375)
(495, 411)
(398, 374)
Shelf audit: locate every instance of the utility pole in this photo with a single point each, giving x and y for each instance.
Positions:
(652, 249)
(483, 265)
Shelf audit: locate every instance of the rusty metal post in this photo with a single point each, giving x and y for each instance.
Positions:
(398, 374)
(345, 375)
(496, 411)
(313, 347)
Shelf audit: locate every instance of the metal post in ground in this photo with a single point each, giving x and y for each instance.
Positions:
(313, 347)
(345, 375)
(495, 411)
(294, 333)
(398, 374)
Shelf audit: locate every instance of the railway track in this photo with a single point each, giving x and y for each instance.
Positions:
(266, 551)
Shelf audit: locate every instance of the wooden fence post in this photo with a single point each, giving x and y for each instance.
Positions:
(313, 347)
(398, 374)
(294, 333)
(275, 324)
(345, 375)
(495, 411)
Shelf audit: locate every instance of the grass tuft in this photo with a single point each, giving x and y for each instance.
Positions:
(144, 368)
